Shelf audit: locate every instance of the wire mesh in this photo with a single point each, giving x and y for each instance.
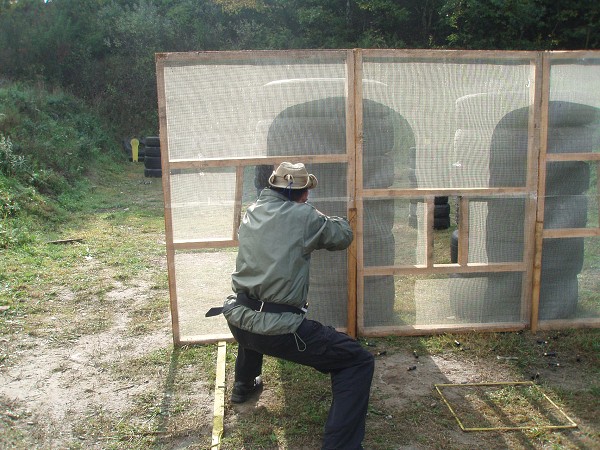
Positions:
(568, 288)
(436, 131)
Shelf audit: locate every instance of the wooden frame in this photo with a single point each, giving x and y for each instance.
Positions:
(548, 58)
(354, 60)
(440, 387)
(462, 267)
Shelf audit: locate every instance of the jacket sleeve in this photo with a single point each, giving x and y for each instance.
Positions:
(327, 232)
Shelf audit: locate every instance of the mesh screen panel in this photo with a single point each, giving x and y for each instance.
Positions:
(203, 281)
(264, 106)
(202, 204)
(447, 111)
(224, 108)
(436, 134)
(456, 124)
(328, 291)
(569, 287)
(443, 300)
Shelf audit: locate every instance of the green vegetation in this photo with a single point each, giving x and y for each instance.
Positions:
(103, 51)
(52, 150)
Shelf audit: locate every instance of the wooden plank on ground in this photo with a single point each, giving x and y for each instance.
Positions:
(219, 405)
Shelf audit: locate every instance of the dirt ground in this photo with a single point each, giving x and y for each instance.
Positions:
(53, 388)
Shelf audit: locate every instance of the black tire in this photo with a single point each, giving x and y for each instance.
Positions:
(379, 250)
(262, 174)
(151, 162)
(454, 247)
(558, 297)
(441, 211)
(441, 216)
(380, 295)
(152, 151)
(330, 207)
(127, 146)
(378, 172)
(336, 176)
(441, 223)
(152, 141)
(569, 211)
(567, 178)
(486, 298)
(412, 158)
(152, 173)
(412, 177)
(378, 136)
(562, 256)
(378, 217)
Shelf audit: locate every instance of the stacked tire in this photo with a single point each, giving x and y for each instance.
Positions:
(379, 244)
(441, 211)
(572, 128)
(152, 158)
(318, 127)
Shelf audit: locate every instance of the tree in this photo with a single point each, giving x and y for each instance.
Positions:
(493, 24)
(522, 24)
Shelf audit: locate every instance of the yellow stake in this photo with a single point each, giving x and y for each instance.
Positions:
(134, 149)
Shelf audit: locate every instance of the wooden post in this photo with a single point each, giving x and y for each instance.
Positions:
(352, 280)
(237, 206)
(430, 221)
(542, 102)
(166, 182)
(355, 154)
(531, 202)
(463, 232)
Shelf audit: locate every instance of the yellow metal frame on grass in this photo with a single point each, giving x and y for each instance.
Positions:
(509, 383)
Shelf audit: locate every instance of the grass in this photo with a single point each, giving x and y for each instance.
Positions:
(49, 282)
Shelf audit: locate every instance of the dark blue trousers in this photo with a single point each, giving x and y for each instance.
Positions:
(328, 351)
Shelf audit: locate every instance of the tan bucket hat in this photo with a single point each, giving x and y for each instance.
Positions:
(292, 176)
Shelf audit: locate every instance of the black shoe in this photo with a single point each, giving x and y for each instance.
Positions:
(241, 390)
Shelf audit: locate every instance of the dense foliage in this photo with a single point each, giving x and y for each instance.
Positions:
(51, 147)
(103, 50)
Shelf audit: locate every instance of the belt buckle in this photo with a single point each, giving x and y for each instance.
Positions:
(304, 309)
(262, 304)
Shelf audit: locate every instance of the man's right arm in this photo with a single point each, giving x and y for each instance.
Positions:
(328, 232)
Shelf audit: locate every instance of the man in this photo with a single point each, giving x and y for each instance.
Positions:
(277, 235)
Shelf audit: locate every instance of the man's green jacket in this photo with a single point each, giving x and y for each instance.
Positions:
(276, 239)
